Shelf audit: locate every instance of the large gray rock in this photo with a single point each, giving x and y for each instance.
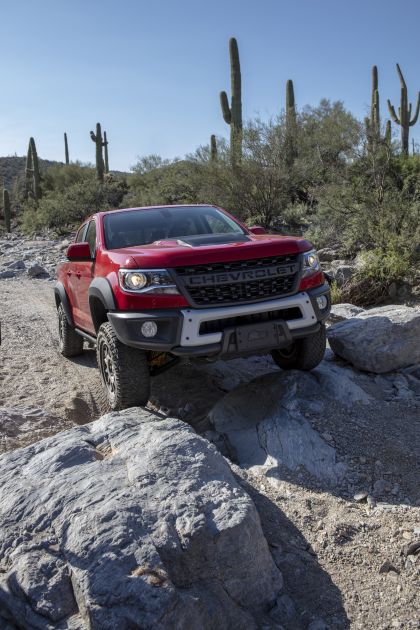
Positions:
(263, 425)
(8, 273)
(341, 271)
(35, 270)
(340, 312)
(133, 521)
(379, 340)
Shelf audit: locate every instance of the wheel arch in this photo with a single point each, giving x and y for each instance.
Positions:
(61, 297)
(101, 300)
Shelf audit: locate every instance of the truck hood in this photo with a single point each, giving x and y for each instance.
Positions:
(209, 249)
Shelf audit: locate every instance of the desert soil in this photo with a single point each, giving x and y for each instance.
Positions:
(344, 562)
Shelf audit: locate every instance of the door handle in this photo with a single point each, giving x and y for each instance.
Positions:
(69, 273)
(78, 274)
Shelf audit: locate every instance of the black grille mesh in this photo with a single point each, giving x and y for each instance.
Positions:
(245, 291)
(236, 265)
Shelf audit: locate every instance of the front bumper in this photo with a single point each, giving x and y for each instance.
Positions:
(213, 331)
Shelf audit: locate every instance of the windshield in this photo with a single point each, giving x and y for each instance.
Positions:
(141, 227)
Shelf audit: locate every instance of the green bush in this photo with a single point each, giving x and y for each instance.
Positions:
(377, 270)
(66, 209)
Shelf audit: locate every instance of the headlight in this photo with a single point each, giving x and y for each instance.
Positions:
(310, 262)
(135, 280)
(147, 281)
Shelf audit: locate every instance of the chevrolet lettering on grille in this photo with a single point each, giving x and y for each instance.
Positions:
(245, 275)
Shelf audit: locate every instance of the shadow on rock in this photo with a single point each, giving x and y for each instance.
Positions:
(327, 430)
(191, 389)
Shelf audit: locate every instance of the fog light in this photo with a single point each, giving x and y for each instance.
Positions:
(322, 302)
(148, 329)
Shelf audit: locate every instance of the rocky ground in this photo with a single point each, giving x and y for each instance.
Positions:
(330, 459)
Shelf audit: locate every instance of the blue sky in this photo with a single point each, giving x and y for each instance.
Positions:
(151, 72)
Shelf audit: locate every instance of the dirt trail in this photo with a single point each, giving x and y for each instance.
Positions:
(32, 372)
(34, 375)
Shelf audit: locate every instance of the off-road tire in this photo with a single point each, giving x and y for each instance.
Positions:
(70, 343)
(303, 354)
(124, 371)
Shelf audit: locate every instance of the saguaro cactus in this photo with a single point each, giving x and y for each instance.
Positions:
(373, 124)
(105, 145)
(233, 114)
(66, 149)
(213, 148)
(6, 210)
(291, 128)
(375, 119)
(404, 113)
(388, 133)
(97, 139)
(33, 177)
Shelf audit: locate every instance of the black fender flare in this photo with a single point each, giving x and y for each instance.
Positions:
(100, 289)
(62, 298)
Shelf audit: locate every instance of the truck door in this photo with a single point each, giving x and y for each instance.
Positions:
(72, 279)
(84, 275)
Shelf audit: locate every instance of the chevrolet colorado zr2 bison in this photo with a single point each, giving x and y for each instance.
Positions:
(151, 286)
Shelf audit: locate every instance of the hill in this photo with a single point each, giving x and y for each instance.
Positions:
(13, 166)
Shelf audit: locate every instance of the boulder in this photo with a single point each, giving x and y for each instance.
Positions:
(341, 271)
(8, 273)
(340, 312)
(18, 264)
(263, 424)
(35, 270)
(133, 521)
(379, 340)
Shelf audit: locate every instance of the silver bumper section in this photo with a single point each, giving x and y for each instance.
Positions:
(193, 318)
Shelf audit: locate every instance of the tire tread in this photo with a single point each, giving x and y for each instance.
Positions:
(132, 370)
(71, 342)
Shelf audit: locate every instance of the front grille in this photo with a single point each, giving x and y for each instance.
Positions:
(236, 264)
(233, 282)
(219, 325)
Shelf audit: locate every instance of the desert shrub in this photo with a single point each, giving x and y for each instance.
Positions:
(377, 270)
(156, 181)
(59, 177)
(336, 293)
(64, 209)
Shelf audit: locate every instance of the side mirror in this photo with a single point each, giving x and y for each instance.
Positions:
(79, 251)
(257, 229)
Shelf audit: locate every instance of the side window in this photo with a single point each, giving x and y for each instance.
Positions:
(81, 234)
(91, 237)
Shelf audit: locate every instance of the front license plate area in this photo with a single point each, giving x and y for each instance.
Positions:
(259, 336)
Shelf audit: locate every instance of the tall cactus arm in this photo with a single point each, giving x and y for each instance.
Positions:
(392, 113)
(290, 95)
(93, 136)
(416, 115)
(227, 114)
(235, 66)
(402, 80)
(388, 133)
(374, 78)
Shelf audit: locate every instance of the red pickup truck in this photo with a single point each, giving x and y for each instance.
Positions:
(150, 286)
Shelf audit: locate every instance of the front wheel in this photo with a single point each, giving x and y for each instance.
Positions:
(124, 371)
(302, 354)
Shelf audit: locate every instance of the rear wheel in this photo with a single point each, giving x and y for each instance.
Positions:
(124, 371)
(70, 343)
(302, 354)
